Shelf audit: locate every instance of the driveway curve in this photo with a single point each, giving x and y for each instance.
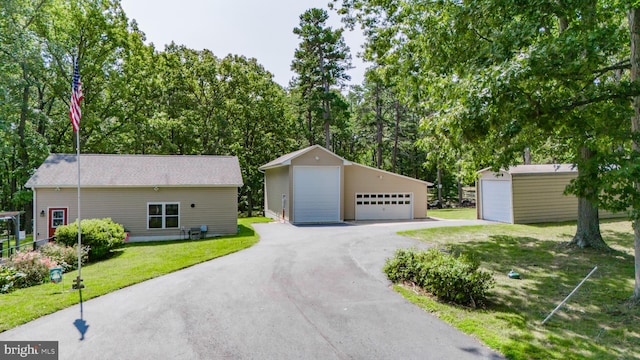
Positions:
(302, 292)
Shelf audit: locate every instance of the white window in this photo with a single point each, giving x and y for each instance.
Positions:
(57, 218)
(163, 215)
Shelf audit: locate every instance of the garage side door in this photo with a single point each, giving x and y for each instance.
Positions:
(496, 200)
(385, 206)
(316, 194)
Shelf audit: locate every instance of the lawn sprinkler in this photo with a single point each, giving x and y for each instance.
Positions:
(513, 275)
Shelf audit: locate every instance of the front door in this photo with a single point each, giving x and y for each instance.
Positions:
(57, 217)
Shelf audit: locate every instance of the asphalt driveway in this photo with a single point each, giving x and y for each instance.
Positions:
(310, 292)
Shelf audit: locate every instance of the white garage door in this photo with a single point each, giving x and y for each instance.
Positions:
(496, 200)
(384, 206)
(316, 194)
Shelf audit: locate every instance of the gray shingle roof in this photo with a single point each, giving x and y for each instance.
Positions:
(543, 169)
(539, 169)
(97, 170)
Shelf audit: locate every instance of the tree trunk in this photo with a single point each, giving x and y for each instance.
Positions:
(310, 126)
(326, 115)
(439, 184)
(527, 156)
(327, 128)
(634, 32)
(379, 127)
(396, 135)
(588, 232)
(249, 203)
(636, 243)
(460, 192)
(22, 150)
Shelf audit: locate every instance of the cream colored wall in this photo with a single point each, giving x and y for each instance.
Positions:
(359, 179)
(215, 207)
(276, 184)
(540, 198)
(323, 159)
(309, 159)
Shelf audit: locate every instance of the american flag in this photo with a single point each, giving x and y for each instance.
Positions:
(76, 96)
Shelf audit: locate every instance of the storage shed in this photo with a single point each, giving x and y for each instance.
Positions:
(526, 194)
(155, 197)
(314, 185)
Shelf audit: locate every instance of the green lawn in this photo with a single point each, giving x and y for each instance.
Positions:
(135, 263)
(596, 323)
(453, 214)
(6, 243)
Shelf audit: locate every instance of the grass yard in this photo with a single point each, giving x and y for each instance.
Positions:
(453, 214)
(596, 323)
(134, 263)
(26, 243)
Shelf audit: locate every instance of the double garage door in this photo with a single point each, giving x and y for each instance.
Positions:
(384, 206)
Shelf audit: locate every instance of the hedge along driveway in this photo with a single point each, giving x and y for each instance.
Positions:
(134, 263)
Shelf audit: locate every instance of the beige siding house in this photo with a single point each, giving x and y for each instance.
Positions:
(155, 197)
(314, 185)
(528, 194)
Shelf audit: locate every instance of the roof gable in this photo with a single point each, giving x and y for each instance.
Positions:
(285, 160)
(97, 170)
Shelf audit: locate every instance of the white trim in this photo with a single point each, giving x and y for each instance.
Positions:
(164, 214)
(34, 225)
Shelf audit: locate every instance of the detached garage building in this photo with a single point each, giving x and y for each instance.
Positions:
(314, 185)
(527, 194)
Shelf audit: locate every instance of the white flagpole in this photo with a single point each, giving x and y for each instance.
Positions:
(79, 280)
(75, 113)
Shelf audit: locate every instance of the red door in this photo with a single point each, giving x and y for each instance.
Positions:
(57, 217)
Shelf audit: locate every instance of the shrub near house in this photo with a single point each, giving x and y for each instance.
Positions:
(100, 235)
(32, 267)
(65, 256)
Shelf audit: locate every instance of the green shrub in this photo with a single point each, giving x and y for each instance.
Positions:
(65, 256)
(8, 277)
(454, 279)
(100, 235)
(32, 266)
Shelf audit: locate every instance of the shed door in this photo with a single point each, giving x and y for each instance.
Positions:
(316, 194)
(496, 200)
(57, 217)
(384, 206)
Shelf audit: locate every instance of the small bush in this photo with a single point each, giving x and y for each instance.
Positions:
(100, 235)
(33, 267)
(454, 279)
(65, 256)
(8, 277)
